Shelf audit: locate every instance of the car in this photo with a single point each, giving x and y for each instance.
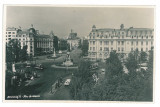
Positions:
(102, 71)
(40, 67)
(67, 82)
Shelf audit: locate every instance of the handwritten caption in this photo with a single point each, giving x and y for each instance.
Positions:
(23, 96)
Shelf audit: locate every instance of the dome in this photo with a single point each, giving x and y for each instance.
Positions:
(32, 30)
(93, 26)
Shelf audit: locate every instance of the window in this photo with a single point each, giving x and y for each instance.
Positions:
(122, 49)
(137, 43)
(147, 43)
(90, 42)
(90, 48)
(141, 49)
(131, 49)
(122, 42)
(150, 32)
(111, 49)
(93, 42)
(142, 43)
(111, 42)
(9, 32)
(100, 42)
(151, 43)
(137, 49)
(142, 37)
(147, 37)
(132, 43)
(118, 48)
(106, 43)
(6, 32)
(100, 48)
(9, 35)
(118, 42)
(13, 32)
(93, 48)
(106, 49)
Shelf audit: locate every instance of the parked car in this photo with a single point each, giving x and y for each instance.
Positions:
(67, 82)
(102, 71)
(39, 66)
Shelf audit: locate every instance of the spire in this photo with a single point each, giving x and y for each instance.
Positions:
(31, 25)
(71, 30)
(51, 33)
(122, 26)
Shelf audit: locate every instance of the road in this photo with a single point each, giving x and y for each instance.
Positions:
(42, 86)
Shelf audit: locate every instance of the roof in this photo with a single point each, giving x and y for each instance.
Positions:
(140, 29)
(109, 29)
(23, 32)
(43, 36)
(11, 29)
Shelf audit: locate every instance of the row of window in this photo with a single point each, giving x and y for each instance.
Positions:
(119, 49)
(10, 33)
(132, 32)
(120, 42)
(135, 36)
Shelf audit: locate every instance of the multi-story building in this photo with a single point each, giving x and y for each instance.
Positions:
(123, 40)
(73, 40)
(36, 43)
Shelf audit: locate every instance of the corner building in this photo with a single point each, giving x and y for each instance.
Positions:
(123, 40)
(36, 43)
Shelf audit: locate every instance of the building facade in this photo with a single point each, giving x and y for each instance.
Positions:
(73, 40)
(123, 41)
(36, 43)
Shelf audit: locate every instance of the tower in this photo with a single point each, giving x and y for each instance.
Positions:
(93, 28)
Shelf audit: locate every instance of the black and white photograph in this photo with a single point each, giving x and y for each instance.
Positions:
(79, 53)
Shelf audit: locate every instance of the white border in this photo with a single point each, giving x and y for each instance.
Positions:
(102, 2)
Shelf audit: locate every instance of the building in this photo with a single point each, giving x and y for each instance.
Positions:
(73, 40)
(36, 43)
(123, 40)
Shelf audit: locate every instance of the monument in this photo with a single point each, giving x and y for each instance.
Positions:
(68, 61)
(54, 54)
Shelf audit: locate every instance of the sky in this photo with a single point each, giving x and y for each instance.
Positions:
(61, 20)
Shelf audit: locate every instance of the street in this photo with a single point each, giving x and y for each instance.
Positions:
(42, 86)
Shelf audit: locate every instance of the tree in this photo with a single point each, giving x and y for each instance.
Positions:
(85, 46)
(13, 50)
(143, 57)
(79, 43)
(62, 44)
(23, 53)
(55, 43)
(132, 62)
(80, 79)
(113, 65)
